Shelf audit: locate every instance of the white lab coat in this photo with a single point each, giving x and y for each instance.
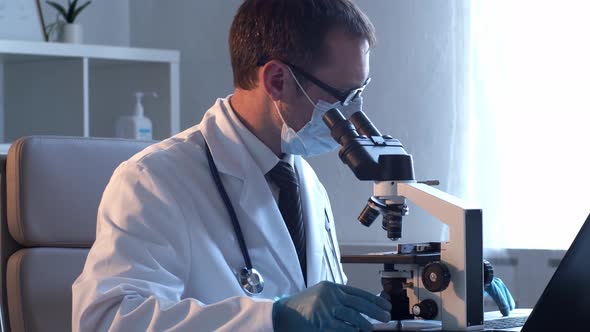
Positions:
(166, 255)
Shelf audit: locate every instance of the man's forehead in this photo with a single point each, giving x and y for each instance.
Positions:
(347, 74)
(346, 58)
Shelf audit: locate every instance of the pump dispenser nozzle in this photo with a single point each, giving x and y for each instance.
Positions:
(136, 126)
(139, 101)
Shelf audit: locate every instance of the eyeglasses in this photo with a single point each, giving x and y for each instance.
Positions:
(345, 97)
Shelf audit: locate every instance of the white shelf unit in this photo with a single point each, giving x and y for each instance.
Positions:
(81, 90)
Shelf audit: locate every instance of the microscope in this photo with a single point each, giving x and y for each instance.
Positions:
(428, 281)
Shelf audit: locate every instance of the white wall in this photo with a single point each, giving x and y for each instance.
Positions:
(199, 29)
(105, 22)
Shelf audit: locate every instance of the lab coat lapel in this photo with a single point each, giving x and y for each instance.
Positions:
(314, 213)
(255, 198)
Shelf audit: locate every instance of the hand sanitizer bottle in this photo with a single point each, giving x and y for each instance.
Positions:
(136, 126)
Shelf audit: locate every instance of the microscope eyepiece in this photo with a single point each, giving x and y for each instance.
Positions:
(372, 156)
(338, 125)
(363, 124)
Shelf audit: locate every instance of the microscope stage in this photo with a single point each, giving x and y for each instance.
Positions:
(391, 258)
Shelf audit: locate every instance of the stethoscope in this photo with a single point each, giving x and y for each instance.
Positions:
(250, 279)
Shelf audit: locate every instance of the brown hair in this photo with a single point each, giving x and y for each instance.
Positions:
(289, 30)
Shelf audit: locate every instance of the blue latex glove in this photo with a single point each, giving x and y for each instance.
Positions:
(501, 295)
(329, 307)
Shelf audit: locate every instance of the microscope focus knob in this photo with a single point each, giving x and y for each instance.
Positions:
(426, 309)
(488, 273)
(436, 277)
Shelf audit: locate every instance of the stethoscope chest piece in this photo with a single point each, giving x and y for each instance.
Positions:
(251, 281)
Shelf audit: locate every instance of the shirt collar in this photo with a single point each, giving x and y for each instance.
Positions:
(263, 156)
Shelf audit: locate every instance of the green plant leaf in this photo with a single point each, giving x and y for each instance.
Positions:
(59, 8)
(77, 12)
(71, 8)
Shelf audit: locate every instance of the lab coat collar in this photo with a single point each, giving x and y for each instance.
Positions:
(255, 200)
(315, 213)
(261, 154)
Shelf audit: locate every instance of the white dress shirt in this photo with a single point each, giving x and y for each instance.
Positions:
(262, 154)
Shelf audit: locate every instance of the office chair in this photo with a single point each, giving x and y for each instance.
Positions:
(50, 190)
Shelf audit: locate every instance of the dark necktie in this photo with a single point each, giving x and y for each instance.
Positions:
(284, 177)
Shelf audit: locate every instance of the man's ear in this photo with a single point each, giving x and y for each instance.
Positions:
(273, 76)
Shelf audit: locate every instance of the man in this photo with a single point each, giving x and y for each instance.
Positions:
(188, 227)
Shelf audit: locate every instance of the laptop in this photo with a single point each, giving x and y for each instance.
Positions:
(494, 321)
(564, 304)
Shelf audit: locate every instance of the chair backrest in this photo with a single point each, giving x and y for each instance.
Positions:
(51, 187)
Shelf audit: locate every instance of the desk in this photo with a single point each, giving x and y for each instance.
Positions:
(422, 325)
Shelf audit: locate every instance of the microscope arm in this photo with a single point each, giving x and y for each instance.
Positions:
(439, 204)
(463, 253)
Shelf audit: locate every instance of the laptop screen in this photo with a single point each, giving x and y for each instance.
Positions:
(564, 304)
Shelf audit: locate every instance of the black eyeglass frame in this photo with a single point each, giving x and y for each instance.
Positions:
(345, 97)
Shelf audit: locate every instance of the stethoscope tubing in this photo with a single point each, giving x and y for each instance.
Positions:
(249, 288)
(230, 208)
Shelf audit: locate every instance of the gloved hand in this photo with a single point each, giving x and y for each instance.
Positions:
(501, 295)
(329, 307)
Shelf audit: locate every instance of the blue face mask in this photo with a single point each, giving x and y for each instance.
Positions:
(314, 138)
